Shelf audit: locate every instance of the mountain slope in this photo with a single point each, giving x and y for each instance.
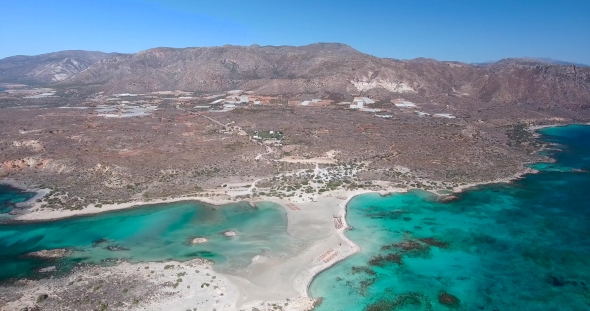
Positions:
(329, 68)
(323, 69)
(47, 68)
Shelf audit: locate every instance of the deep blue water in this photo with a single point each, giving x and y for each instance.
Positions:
(518, 246)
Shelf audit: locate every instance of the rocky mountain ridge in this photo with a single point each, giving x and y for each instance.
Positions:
(47, 68)
(322, 69)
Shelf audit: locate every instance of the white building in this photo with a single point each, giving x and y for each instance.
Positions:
(126, 95)
(367, 100)
(405, 105)
(371, 110)
(217, 101)
(444, 115)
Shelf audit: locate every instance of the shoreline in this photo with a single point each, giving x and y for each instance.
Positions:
(342, 208)
(321, 254)
(91, 209)
(42, 214)
(305, 266)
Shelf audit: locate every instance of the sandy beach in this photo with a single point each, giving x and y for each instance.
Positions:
(267, 281)
(319, 224)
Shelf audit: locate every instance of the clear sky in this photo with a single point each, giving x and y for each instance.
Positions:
(466, 30)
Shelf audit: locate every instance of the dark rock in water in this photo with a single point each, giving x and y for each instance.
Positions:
(98, 242)
(448, 300)
(381, 261)
(406, 246)
(116, 248)
(434, 242)
(407, 301)
(448, 198)
(362, 269)
(555, 281)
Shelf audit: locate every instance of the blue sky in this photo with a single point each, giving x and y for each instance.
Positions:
(466, 30)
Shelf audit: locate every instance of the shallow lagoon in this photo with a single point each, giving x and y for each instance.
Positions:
(519, 246)
(150, 233)
(9, 196)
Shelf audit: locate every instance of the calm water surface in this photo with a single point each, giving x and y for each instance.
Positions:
(150, 233)
(519, 246)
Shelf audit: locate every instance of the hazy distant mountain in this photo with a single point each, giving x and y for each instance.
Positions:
(543, 60)
(47, 68)
(331, 69)
(556, 61)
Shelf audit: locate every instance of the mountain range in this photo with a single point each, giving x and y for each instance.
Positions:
(322, 69)
(46, 69)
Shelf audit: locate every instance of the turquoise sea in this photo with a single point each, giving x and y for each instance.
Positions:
(518, 246)
(150, 233)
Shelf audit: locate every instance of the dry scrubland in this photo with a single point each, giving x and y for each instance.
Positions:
(292, 137)
(178, 151)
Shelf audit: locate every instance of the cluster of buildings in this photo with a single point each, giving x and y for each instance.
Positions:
(402, 104)
(234, 99)
(360, 102)
(273, 138)
(230, 100)
(310, 103)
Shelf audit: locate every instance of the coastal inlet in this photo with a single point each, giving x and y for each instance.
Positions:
(229, 235)
(518, 246)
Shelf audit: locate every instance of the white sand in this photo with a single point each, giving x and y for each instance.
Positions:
(188, 294)
(268, 281)
(39, 213)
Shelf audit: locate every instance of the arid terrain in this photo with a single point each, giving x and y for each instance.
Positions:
(306, 127)
(92, 142)
(175, 150)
